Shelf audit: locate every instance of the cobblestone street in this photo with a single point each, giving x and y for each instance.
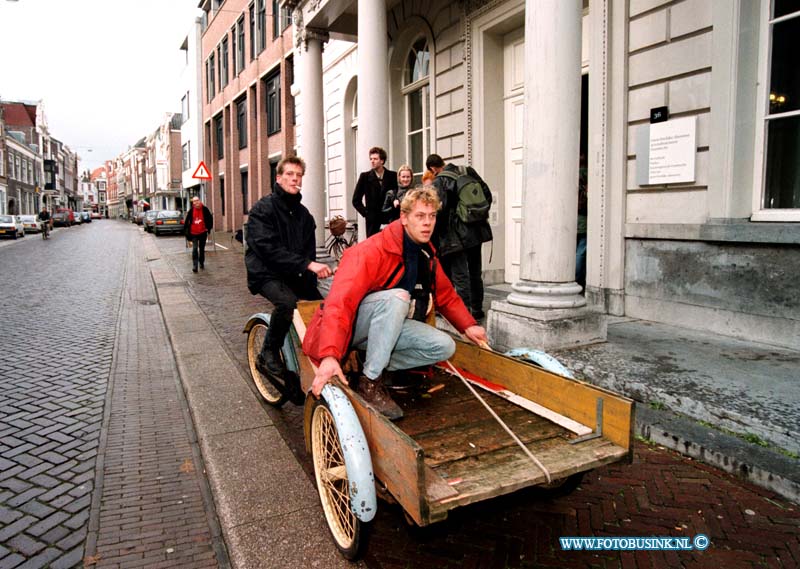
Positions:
(67, 303)
(660, 494)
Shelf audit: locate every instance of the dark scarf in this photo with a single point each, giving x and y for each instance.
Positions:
(417, 276)
(291, 200)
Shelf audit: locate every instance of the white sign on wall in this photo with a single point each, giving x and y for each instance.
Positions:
(665, 152)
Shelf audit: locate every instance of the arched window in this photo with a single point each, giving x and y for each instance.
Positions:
(416, 93)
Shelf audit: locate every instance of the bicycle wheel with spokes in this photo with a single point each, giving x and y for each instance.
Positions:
(332, 482)
(267, 390)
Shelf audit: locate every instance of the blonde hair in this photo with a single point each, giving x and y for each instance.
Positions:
(405, 167)
(425, 194)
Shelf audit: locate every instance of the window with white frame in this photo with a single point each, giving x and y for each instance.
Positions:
(781, 167)
(17, 175)
(2, 163)
(185, 107)
(417, 95)
(185, 157)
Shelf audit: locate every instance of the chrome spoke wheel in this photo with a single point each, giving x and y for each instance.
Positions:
(255, 339)
(333, 483)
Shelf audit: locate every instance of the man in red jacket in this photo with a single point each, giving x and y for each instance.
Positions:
(378, 302)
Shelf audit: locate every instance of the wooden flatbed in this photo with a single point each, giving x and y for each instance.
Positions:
(448, 451)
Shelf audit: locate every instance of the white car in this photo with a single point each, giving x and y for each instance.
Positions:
(31, 223)
(11, 226)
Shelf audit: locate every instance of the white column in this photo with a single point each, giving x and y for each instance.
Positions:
(373, 85)
(545, 309)
(311, 139)
(552, 146)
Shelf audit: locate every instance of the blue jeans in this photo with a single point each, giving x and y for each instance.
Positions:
(580, 261)
(395, 341)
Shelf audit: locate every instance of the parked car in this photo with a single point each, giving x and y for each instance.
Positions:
(11, 226)
(168, 222)
(31, 224)
(65, 220)
(150, 220)
(86, 217)
(138, 217)
(96, 215)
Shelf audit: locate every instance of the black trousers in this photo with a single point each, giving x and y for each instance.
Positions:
(464, 271)
(199, 248)
(284, 297)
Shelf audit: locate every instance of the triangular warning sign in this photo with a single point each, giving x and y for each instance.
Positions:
(202, 172)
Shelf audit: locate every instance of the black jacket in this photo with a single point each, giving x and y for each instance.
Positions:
(280, 242)
(369, 186)
(208, 219)
(452, 235)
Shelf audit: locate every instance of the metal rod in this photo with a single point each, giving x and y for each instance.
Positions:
(502, 424)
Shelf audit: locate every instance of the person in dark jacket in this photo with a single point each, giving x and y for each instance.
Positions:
(196, 226)
(391, 203)
(281, 257)
(460, 244)
(379, 300)
(371, 191)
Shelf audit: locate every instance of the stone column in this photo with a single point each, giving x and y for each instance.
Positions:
(546, 309)
(373, 86)
(311, 139)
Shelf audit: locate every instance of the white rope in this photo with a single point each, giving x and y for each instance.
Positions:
(502, 424)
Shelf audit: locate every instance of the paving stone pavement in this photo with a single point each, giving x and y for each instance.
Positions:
(660, 494)
(97, 461)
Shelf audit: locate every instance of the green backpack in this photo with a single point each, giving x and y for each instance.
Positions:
(472, 205)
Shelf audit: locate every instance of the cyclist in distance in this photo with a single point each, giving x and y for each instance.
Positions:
(44, 217)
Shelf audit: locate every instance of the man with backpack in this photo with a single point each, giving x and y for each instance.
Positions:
(462, 227)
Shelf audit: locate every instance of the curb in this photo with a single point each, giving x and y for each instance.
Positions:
(750, 462)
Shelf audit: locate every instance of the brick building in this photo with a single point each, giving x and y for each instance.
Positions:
(248, 108)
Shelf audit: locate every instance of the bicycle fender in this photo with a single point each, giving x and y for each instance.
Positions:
(542, 359)
(357, 459)
(289, 354)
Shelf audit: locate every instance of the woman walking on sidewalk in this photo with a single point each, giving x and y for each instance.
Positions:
(198, 223)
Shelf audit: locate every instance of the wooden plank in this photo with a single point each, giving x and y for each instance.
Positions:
(571, 398)
(532, 406)
(397, 460)
(509, 469)
(436, 488)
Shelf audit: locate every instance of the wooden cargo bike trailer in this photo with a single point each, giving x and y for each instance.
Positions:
(447, 451)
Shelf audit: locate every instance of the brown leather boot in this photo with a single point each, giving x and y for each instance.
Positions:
(374, 392)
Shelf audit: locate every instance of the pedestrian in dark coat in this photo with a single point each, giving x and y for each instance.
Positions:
(196, 226)
(459, 244)
(281, 257)
(371, 189)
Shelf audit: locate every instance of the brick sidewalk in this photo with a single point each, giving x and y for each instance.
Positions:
(149, 508)
(660, 494)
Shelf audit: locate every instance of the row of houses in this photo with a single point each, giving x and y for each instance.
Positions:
(36, 168)
(686, 114)
(148, 174)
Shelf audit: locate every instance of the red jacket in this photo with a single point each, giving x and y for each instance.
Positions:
(372, 265)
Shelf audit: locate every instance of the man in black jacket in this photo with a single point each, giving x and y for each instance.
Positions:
(373, 186)
(281, 257)
(458, 243)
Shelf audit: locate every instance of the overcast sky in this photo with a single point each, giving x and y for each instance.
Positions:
(107, 70)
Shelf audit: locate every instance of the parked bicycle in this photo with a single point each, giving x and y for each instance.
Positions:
(337, 242)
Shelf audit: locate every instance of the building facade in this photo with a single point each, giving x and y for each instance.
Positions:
(248, 109)
(521, 89)
(192, 112)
